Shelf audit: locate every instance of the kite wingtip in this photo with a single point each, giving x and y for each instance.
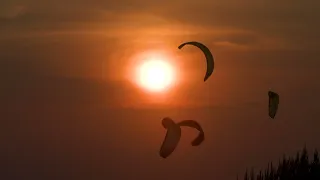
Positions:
(206, 77)
(195, 144)
(163, 156)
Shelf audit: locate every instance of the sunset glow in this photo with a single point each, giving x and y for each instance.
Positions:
(155, 75)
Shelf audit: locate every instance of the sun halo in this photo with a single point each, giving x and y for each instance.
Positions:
(155, 75)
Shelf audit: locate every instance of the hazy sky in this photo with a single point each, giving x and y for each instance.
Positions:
(69, 110)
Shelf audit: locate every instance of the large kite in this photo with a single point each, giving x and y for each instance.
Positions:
(173, 135)
(207, 53)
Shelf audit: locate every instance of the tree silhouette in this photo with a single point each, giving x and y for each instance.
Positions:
(298, 168)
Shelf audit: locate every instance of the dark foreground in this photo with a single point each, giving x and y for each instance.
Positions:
(290, 168)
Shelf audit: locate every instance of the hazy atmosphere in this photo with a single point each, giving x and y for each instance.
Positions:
(71, 107)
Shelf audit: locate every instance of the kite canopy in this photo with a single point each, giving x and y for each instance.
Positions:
(194, 124)
(273, 103)
(167, 122)
(207, 53)
(171, 139)
(173, 135)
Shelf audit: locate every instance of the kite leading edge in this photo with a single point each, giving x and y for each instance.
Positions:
(207, 53)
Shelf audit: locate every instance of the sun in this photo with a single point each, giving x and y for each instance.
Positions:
(155, 75)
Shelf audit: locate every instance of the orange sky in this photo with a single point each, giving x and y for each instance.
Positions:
(65, 92)
(85, 40)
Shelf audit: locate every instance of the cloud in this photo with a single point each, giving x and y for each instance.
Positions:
(13, 12)
(292, 24)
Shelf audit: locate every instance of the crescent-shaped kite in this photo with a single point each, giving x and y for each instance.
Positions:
(173, 135)
(207, 53)
(273, 103)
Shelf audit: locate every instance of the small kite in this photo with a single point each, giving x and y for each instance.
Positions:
(173, 135)
(207, 53)
(273, 103)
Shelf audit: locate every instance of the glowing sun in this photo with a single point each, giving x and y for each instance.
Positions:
(155, 75)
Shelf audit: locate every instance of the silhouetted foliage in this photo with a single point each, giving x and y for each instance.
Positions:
(298, 168)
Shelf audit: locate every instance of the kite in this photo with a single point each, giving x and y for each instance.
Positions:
(173, 135)
(171, 139)
(207, 53)
(273, 103)
(193, 124)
